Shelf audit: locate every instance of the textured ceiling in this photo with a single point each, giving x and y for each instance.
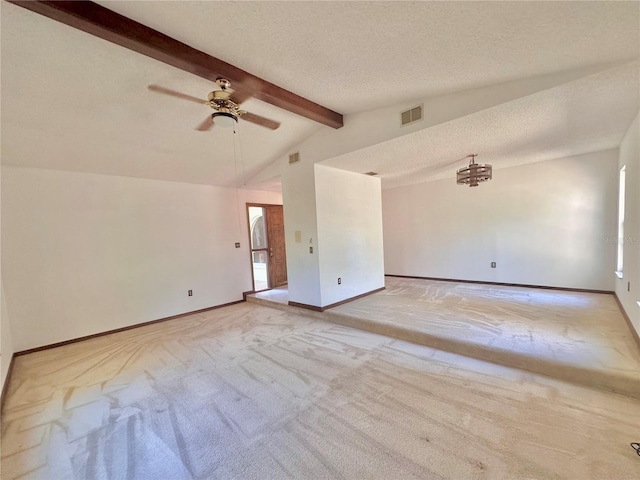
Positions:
(71, 101)
(75, 102)
(582, 116)
(356, 56)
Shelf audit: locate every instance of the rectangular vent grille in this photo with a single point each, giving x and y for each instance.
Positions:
(412, 115)
(294, 157)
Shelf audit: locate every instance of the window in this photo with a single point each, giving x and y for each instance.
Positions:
(621, 191)
(259, 257)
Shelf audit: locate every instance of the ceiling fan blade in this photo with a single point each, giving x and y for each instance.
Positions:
(262, 121)
(240, 97)
(206, 125)
(247, 89)
(173, 93)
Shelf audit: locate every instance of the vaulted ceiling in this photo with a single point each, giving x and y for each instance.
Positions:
(71, 101)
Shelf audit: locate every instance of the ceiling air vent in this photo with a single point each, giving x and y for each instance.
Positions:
(294, 157)
(412, 115)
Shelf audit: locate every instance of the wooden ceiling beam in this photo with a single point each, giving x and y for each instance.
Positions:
(109, 25)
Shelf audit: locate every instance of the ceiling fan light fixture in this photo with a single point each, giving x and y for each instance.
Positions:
(474, 173)
(226, 104)
(224, 119)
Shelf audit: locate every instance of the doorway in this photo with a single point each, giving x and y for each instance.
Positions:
(266, 239)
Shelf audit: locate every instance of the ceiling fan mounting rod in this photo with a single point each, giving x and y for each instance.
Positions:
(223, 83)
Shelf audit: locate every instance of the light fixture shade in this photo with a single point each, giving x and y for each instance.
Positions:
(224, 119)
(474, 173)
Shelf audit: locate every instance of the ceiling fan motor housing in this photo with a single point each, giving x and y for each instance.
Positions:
(219, 95)
(219, 100)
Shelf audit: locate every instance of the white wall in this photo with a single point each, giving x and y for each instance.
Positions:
(630, 156)
(6, 339)
(6, 347)
(303, 268)
(85, 253)
(544, 224)
(349, 214)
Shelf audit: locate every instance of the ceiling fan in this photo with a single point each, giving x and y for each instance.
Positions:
(226, 104)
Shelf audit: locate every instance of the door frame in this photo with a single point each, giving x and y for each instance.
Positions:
(253, 280)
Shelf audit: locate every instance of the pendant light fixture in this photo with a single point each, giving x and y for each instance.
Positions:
(474, 173)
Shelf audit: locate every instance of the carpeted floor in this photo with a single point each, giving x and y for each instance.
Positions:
(574, 336)
(250, 392)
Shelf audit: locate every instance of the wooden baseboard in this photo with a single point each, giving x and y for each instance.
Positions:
(130, 327)
(634, 332)
(7, 379)
(353, 298)
(566, 289)
(327, 307)
(248, 292)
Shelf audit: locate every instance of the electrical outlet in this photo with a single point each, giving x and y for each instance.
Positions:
(237, 244)
(339, 281)
(310, 249)
(493, 264)
(190, 293)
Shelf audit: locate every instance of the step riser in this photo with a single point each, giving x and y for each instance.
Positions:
(568, 373)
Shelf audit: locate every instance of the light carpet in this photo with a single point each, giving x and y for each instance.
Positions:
(249, 392)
